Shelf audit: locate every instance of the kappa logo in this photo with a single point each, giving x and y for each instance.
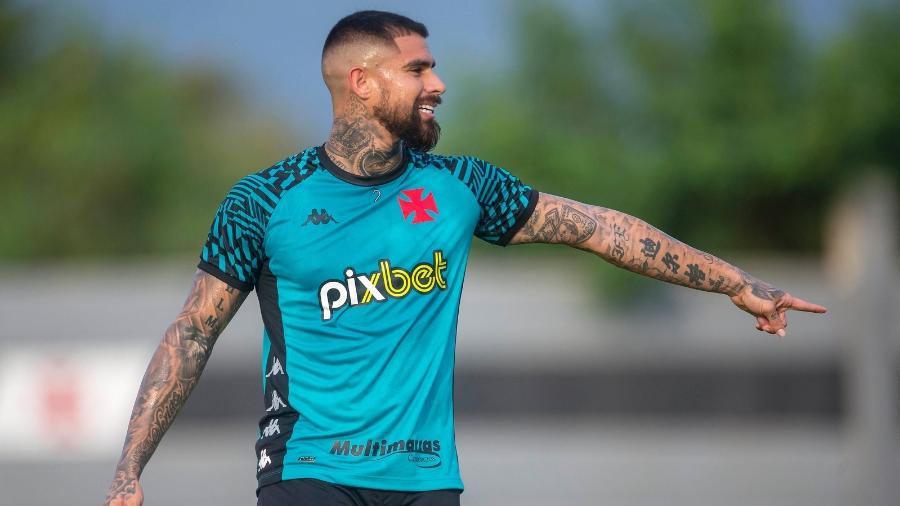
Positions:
(320, 217)
(417, 204)
(264, 459)
(277, 403)
(276, 368)
(272, 429)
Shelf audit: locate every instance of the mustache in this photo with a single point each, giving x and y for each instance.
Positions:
(434, 100)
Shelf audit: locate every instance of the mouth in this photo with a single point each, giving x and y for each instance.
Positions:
(427, 111)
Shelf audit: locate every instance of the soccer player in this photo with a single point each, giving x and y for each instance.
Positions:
(357, 250)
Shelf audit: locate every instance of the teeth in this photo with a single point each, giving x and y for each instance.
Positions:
(427, 108)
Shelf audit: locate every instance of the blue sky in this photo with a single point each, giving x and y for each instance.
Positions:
(271, 47)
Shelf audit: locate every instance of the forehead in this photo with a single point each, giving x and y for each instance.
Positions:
(412, 47)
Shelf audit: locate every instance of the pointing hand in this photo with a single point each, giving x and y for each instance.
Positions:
(770, 305)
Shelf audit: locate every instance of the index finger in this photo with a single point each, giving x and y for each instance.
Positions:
(802, 305)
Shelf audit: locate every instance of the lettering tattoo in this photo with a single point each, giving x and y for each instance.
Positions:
(211, 322)
(650, 249)
(620, 241)
(671, 262)
(172, 374)
(695, 275)
(355, 139)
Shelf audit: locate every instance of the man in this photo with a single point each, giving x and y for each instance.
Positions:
(357, 250)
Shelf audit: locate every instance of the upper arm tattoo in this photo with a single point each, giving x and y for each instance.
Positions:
(174, 370)
(556, 220)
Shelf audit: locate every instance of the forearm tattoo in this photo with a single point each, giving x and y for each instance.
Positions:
(173, 372)
(633, 244)
(352, 143)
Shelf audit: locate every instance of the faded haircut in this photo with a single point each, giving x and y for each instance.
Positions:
(379, 25)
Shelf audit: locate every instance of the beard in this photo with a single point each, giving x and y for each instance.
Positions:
(408, 126)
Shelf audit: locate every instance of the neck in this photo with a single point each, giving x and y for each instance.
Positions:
(360, 145)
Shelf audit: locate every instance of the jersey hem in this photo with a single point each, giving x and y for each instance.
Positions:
(224, 276)
(522, 217)
(371, 482)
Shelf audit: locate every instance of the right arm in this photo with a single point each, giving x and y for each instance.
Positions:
(171, 376)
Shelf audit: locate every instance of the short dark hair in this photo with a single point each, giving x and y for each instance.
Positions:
(380, 25)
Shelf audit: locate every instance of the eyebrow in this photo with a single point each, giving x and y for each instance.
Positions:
(420, 63)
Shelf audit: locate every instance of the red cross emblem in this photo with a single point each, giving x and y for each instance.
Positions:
(418, 205)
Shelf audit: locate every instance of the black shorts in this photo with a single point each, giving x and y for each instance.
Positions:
(310, 492)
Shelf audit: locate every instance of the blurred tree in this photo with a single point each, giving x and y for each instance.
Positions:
(106, 152)
(715, 120)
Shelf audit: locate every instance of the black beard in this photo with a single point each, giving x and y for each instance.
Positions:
(410, 128)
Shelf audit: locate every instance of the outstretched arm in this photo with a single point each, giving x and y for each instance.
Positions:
(171, 375)
(630, 243)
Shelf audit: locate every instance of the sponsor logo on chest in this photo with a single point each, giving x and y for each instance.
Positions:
(388, 282)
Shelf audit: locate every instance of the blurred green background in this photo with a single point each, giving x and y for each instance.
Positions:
(717, 121)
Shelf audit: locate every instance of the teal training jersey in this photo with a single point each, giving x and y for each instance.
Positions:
(359, 281)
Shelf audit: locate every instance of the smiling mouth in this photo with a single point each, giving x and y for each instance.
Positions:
(429, 109)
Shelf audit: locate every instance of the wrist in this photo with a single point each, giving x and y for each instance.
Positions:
(128, 470)
(738, 282)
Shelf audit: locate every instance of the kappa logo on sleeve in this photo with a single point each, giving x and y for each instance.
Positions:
(417, 205)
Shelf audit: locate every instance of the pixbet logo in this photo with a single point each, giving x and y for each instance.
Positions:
(387, 281)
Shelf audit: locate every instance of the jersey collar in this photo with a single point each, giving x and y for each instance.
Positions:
(343, 175)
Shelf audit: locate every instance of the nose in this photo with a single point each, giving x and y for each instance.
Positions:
(434, 85)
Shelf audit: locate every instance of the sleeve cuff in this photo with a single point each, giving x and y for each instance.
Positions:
(217, 273)
(523, 216)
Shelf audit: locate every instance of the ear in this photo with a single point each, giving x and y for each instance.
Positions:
(359, 83)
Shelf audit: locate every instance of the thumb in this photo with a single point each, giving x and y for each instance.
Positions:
(771, 323)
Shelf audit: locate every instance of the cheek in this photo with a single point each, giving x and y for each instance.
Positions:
(408, 88)
(401, 89)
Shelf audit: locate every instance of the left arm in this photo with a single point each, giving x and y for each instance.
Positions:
(632, 244)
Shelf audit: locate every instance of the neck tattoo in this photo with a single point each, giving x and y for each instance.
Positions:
(352, 144)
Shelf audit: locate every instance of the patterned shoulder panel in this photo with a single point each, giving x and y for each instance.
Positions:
(506, 202)
(234, 247)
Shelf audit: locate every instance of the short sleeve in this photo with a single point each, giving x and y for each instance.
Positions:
(234, 247)
(506, 202)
